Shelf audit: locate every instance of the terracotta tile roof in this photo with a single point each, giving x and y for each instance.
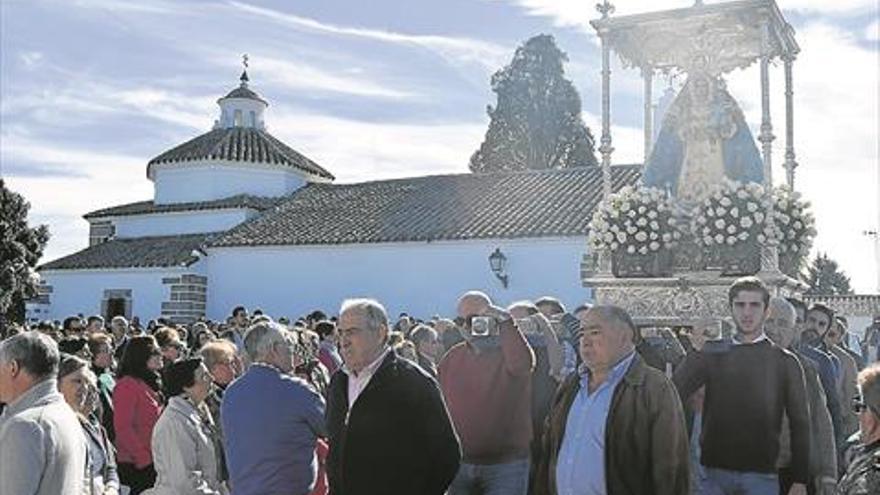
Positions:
(140, 252)
(464, 206)
(243, 144)
(143, 207)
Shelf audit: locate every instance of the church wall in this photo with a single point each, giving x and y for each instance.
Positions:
(420, 278)
(191, 222)
(209, 182)
(83, 291)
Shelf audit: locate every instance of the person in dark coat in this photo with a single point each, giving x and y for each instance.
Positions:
(390, 431)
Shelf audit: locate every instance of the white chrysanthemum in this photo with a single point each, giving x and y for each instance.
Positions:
(762, 238)
(614, 246)
(654, 236)
(643, 250)
(642, 209)
(731, 241)
(759, 217)
(654, 246)
(707, 240)
(797, 225)
(632, 229)
(734, 212)
(743, 236)
(631, 213)
(719, 238)
(667, 237)
(608, 237)
(752, 206)
(652, 214)
(720, 224)
(720, 212)
(641, 237)
(676, 235)
(621, 237)
(745, 222)
(631, 249)
(731, 229)
(725, 201)
(641, 222)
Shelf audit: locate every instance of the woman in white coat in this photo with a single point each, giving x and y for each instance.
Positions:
(186, 447)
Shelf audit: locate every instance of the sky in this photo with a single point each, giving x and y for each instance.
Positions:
(91, 90)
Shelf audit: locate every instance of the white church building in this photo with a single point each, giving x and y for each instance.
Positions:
(239, 217)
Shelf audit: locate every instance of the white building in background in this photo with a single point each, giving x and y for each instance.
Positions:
(238, 217)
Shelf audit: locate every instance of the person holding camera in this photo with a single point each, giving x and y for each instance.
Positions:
(487, 384)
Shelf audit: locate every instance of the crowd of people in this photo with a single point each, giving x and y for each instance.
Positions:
(525, 399)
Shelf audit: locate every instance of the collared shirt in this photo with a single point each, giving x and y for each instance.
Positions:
(581, 466)
(357, 382)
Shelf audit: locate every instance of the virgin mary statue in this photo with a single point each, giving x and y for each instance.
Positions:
(703, 139)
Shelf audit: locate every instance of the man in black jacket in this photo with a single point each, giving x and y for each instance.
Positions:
(390, 432)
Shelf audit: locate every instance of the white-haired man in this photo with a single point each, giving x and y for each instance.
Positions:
(271, 419)
(781, 328)
(42, 447)
(390, 432)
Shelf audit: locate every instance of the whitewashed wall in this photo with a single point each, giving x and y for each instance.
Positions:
(81, 291)
(188, 222)
(207, 182)
(420, 278)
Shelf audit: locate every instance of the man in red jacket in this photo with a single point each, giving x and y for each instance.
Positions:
(486, 381)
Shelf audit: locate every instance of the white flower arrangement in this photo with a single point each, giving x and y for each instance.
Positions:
(635, 220)
(733, 214)
(796, 226)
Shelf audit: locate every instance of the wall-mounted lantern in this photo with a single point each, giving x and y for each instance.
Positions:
(498, 264)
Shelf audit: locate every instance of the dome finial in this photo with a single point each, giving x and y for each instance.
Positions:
(244, 77)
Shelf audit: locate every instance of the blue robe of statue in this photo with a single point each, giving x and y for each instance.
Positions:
(703, 139)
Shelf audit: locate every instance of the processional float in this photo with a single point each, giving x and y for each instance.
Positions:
(706, 211)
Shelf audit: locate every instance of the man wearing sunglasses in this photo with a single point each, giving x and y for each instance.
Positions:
(863, 474)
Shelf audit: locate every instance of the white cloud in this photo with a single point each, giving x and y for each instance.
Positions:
(453, 49)
(577, 13)
(60, 202)
(301, 77)
(872, 32)
(31, 59)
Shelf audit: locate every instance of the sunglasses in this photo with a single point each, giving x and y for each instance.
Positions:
(859, 406)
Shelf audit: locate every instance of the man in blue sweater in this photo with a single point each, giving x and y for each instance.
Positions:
(271, 419)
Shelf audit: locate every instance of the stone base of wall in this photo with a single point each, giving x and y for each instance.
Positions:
(187, 298)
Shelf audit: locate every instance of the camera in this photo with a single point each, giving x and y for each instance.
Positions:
(482, 326)
(527, 326)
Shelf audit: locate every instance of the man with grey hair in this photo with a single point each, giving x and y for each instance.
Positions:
(390, 432)
(617, 426)
(42, 447)
(271, 419)
(780, 327)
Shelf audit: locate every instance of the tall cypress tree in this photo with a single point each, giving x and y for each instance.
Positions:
(536, 123)
(20, 249)
(825, 278)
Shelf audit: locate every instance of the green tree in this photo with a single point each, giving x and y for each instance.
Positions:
(825, 277)
(20, 249)
(536, 123)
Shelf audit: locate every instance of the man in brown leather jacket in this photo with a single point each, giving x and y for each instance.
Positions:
(616, 426)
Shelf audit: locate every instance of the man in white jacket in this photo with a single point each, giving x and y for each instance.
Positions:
(42, 447)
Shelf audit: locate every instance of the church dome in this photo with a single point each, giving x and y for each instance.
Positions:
(243, 91)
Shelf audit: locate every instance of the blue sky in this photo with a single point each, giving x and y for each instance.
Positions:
(90, 90)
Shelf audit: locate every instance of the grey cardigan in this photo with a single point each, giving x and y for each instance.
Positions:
(42, 446)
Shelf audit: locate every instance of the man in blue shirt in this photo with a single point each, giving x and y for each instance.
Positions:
(271, 419)
(616, 426)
